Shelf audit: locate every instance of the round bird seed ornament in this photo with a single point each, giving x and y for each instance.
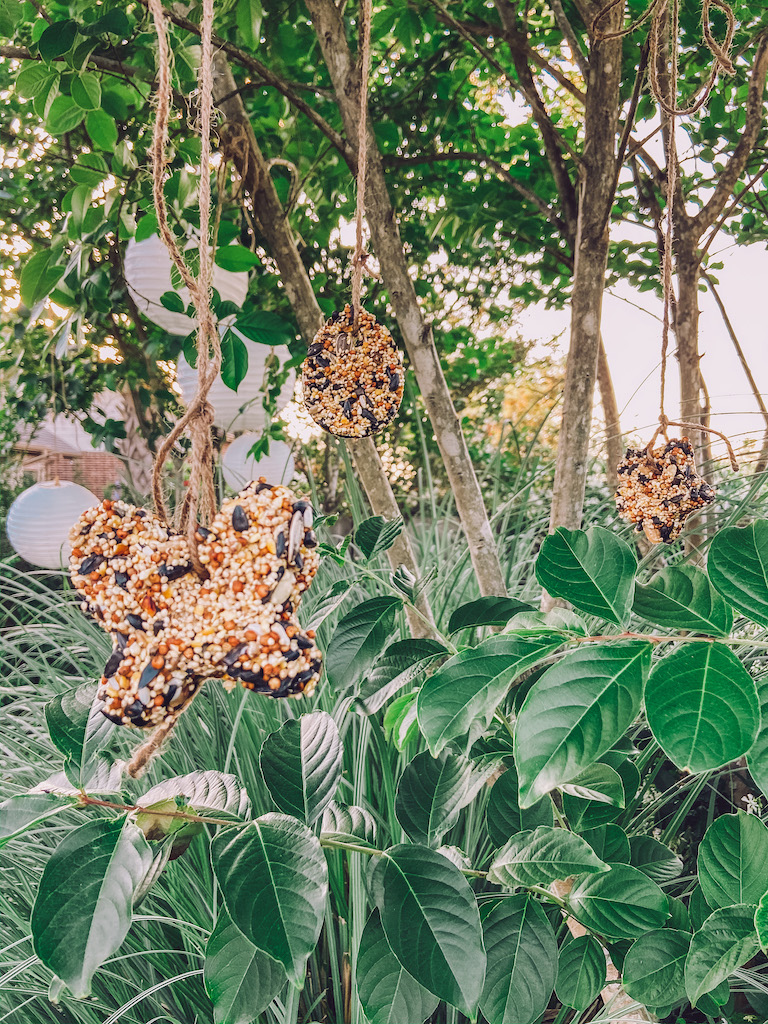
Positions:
(353, 375)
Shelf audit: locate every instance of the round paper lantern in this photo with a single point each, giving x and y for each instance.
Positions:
(148, 275)
(41, 517)
(239, 468)
(226, 402)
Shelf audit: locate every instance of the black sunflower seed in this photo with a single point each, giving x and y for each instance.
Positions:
(240, 520)
(230, 659)
(292, 655)
(169, 694)
(91, 563)
(117, 719)
(159, 626)
(113, 663)
(304, 642)
(135, 621)
(394, 382)
(121, 579)
(135, 710)
(148, 675)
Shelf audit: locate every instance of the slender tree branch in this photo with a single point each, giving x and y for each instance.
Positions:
(570, 36)
(105, 63)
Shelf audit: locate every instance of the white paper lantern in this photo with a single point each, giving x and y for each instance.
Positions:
(41, 517)
(226, 402)
(148, 276)
(239, 468)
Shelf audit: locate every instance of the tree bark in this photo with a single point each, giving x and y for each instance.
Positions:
(687, 332)
(417, 334)
(240, 143)
(614, 443)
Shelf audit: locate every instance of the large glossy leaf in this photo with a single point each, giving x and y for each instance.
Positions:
(83, 908)
(76, 724)
(354, 822)
(432, 792)
(594, 571)
(702, 706)
(241, 980)
(654, 968)
(377, 534)
(543, 856)
(733, 860)
(575, 712)
(21, 813)
(358, 639)
(761, 922)
(681, 597)
(609, 842)
(619, 904)
(757, 758)
(301, 765)
(388, 993)
(725, 941)
(504, 816)
(738, 567)
(522, 961)
(654, 859)
(430, 917)
(203, 791)
(459, 699)
(400, 665)
(274, 880)
(581, 972)
(486, 611)
(599, 783)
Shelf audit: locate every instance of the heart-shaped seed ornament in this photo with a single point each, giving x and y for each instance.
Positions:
(173, 630)
(353, 376)
(659, 489)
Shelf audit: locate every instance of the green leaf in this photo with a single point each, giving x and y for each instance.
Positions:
(430, 917)
(377, 534)
(654, 859)
(400, 725)
(274, 881)
(600, 783)
(147, 227)
(733, 860)
(388, 993)
(102, 129)
(86, 90)
(234, 360)
(609, 842)
(486, 611)
(301, 765)
(654, 968)
(619, 904)
(236, 258)
(57, 39)
(725, 941)
(522, 961)
(241, 980)
(432, 792)
(203, 791)
(761, 922)
(738, 567)
(575, 712)
(89, 169)
(594, 571)
(248, 15)
(21, 813)
(351, 821)
(11, 13)
(757, 758)
(702, 706)
(82, 911)
(543, 856)
(265, 328)
(77, 726)
(399, 666)
(581, 972)
(698, 908)
(461, 696)
(172, 300)
(681, 597)
(358, 639)
(34, 80)
(504, 816)
(38, 277)
(63, 116)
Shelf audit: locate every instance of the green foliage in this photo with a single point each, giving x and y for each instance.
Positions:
(581, 972)
(301, 765)
(388, 993)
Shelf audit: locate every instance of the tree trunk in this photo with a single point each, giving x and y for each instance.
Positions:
(596, 193)
(614, 443)
(687, 334)
(237, 134)
(133, 448)
(417, 334)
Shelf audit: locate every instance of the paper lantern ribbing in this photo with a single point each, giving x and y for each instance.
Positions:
(148, 276)
(277, 467)
(226, 402)
(41, 517)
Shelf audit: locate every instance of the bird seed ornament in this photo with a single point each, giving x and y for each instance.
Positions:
(173, 630)
(353, 376)
(659, 488)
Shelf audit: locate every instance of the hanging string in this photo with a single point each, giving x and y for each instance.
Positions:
(200, 500)
(360, 255)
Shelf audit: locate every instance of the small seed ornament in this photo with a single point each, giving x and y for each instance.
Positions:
(659, 488)
(353, 375)
(173, 630)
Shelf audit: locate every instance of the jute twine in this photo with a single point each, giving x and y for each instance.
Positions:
(360, 256)
(200, 500)
(663, 13)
